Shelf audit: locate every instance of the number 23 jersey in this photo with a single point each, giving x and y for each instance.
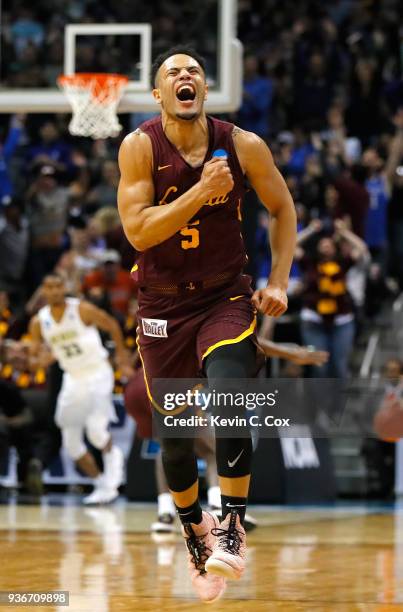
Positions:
(76, 346)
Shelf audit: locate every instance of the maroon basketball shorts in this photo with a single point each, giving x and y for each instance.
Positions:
(176, 333)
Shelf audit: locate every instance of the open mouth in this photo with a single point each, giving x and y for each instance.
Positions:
(186, 93)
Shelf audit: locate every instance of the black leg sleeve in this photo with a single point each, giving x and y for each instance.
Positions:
(234, 455)
(179, 461)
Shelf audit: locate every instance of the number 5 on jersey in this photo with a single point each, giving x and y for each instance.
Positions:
(192, 236)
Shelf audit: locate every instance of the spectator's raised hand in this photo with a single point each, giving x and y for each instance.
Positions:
(316, 225)
(340, 225)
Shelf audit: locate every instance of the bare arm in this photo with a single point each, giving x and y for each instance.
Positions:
(92, 315)
(310, 230)
(301, 355)
(266, 180)
(360, 249)
(266, 330)
(147, 225)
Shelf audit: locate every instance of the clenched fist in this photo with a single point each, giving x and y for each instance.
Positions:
(271, 301)
(216, 179)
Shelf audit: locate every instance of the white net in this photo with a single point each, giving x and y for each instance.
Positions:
(94, 99)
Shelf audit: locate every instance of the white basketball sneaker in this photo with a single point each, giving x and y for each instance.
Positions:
(101, 495)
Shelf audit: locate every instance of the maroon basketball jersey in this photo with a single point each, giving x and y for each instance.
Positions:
(211, 243)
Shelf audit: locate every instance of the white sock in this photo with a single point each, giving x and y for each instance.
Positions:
(107, 457)
(166, 504)
(214, 497)
(112, 476)
(99, 481)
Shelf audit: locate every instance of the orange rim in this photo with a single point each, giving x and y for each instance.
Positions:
(101, 84)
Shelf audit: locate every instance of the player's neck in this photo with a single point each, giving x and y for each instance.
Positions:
(57, 311)
(186, 135)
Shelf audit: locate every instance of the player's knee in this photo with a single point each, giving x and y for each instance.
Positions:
(98, 435)
(179, 463)
(232, 361)
(74, 443)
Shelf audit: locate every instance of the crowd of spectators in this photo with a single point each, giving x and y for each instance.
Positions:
(322, 85)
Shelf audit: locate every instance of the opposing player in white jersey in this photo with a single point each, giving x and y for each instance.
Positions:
(69, 327)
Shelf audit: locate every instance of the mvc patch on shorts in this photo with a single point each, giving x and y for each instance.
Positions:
(155, 327)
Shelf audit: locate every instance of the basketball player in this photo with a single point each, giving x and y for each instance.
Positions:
(70, 329)
(181, 209)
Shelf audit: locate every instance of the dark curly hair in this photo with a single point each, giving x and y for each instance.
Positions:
(179, 49)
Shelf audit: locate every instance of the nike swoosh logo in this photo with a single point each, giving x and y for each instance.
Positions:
(163, 167)
(235, 505)
(232, 463)
(185, 513)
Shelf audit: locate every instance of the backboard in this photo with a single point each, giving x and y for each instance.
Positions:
(122, 46)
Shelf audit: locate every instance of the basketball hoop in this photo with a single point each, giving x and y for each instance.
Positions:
(94, 98)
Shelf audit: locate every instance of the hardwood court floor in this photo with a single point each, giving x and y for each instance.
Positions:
(339, 559)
